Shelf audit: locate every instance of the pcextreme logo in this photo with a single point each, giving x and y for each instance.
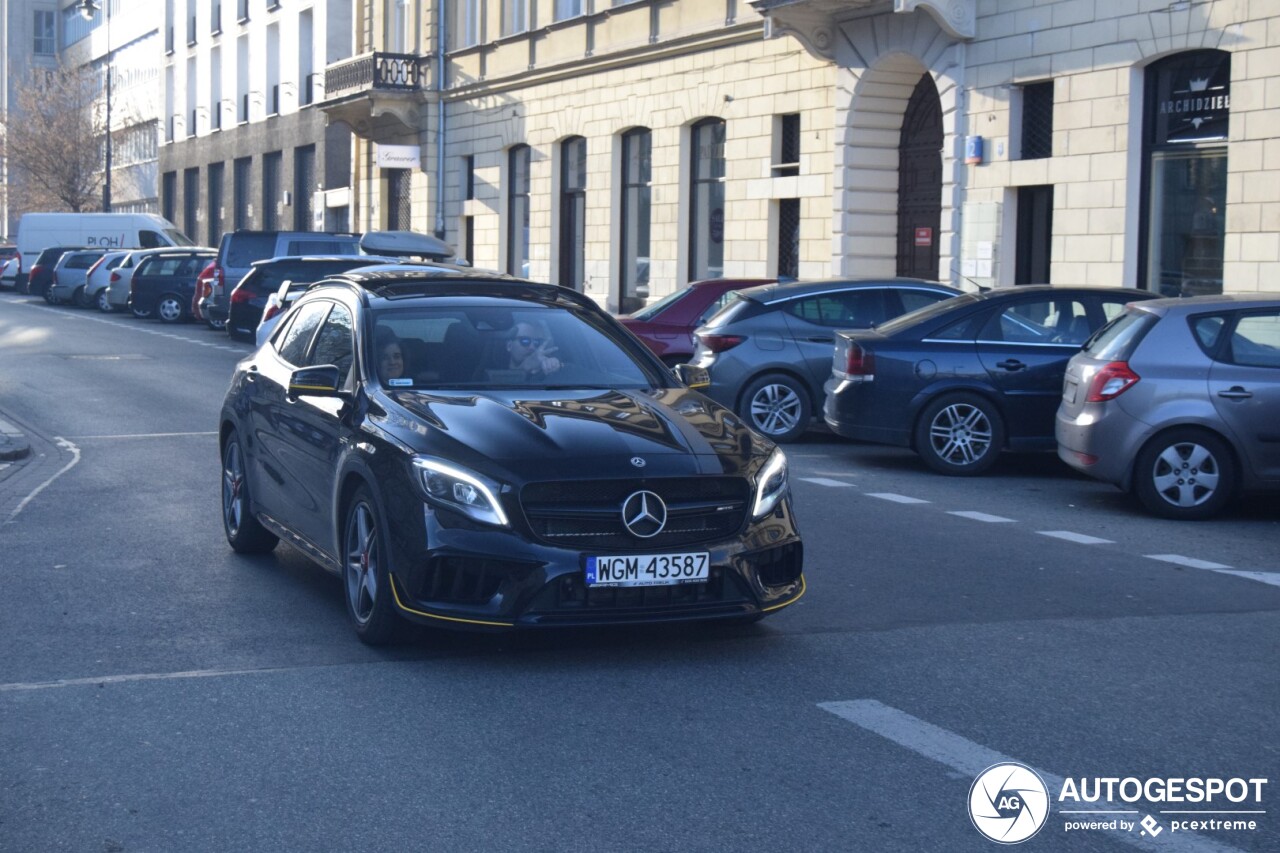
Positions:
(1009, 803)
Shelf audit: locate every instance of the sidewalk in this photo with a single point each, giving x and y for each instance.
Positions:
(13, 444)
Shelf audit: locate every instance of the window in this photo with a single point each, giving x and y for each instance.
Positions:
(1039, 321)
(851, 309)
(786, 148)
(789, 238)
(215, 203)
(334, 342)
(706, 218)
(573, 211)
(469, 177)
(518, 162)
(566, 9)
(304, 184)
(466, 23)
(190, 200)
(1256, 341)
(169, 195)
(636, 176)
(45, 29)
(270, 190)
(515, 16)
(240, 220)
(294, 342)
(1037, 121)
(399, 199)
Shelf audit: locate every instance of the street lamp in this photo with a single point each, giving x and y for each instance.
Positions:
(88, 8)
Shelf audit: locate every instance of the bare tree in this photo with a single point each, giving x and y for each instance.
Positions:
(52, 141)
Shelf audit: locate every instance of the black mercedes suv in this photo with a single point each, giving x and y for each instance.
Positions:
(475, 451)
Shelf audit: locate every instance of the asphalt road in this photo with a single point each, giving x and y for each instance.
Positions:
(159, 693)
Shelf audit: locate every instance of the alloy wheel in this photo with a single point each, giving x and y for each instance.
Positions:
(775, 409)
(169, 309)
(960, 434)
(233, 488)
(363, 553)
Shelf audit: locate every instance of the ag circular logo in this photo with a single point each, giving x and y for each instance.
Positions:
(1008, 802)
(644, 514)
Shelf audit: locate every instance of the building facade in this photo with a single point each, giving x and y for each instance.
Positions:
(1128, 142)
(243, 144)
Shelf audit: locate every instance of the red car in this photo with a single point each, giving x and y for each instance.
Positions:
(204, 286)
(667, 325)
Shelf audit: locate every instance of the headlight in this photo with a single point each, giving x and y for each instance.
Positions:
(771, 484)
(471, 494)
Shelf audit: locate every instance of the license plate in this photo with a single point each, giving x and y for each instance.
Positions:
(648, 569)
(1069, 393)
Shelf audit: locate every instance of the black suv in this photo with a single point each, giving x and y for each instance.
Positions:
(41, 274)
(164, 284)
(475, 451)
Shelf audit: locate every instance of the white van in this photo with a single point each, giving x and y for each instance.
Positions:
(37, 231)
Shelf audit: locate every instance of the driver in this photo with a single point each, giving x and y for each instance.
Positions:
(530, 348)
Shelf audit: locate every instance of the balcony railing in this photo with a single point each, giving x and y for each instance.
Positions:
(395, 72)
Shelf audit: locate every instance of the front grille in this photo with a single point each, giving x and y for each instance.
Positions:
(778, 566)
(465, 580)
(570, 594)
(588, 514)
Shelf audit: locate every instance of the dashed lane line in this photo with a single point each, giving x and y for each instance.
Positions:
(1189, 562)
(823, 481)
(1272, 578)
(142, 329)
(970, 759)
(898, 499)
(980, 516)
(1078, 538)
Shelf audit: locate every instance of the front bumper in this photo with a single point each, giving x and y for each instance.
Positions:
(489, 579)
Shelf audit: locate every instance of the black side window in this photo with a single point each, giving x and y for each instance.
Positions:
(334, 343)
(150, 240)
(244, 249)
(1208, 330)
(293, 345)
(859, 308)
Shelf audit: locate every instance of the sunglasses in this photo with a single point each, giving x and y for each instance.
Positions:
(529, 342)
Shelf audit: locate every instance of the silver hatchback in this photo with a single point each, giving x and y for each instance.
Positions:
(1178, 400)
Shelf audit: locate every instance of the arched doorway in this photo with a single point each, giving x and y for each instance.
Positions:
(920, 182)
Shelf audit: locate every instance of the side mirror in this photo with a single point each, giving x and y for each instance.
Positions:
(694, 377)
(324, 380)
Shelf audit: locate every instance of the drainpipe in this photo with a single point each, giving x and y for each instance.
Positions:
(442, 40)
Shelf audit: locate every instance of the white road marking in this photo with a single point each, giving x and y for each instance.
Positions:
(145, 676)
(970, 759)
(1272, 578)
(823, 481)
(143, 329)
(75, 457)
(146, 435)
(898, 499)
(1189, 562)
(1076, 537)
(981, 516)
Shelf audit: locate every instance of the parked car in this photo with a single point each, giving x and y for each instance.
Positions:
(40, 276)
(108, 231)
(249, 298)
(163, 283)
(99, 279)
(1178, 400)
(239, 249)
(667, 326)
(9, 273)
(121, 278)
(69, 276)
(278, 305)
(204, 287)
(768, 350)
(960, 381)
(478, 489)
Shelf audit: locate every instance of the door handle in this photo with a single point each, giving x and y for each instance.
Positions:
(1010, 364)
(821, 340)
(1235, 393)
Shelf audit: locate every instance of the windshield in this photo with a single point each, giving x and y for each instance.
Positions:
(178, 238)
(661, 305)
(502, 344)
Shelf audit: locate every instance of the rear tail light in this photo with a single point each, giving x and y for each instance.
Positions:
(271, 311)
(1111, 381)
(240, 295)
(720, 343)
(115, 276)
(852, 362)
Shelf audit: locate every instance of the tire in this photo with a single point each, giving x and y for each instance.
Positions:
(104, 302)
(140, 313)
(245, 534)
(960, 434)
(49, 297)
(217, 326)
(366, 576)
(777, 406)
(170, 308)
(1185, 474)
(77, 297)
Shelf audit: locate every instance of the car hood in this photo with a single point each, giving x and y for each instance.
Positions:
(667, 431)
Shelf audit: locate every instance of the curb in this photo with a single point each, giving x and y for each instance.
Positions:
(13, 445)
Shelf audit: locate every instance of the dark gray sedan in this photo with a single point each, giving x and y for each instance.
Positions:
(1179, 400)
(768, 351)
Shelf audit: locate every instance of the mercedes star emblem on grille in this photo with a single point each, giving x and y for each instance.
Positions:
(644, 514)
(637, 461)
